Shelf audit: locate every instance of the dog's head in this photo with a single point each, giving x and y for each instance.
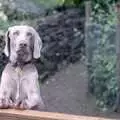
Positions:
(22, 43)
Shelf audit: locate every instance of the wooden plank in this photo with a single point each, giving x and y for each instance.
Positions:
(11, 114)
(117, 104)
(87, 23)
(88, 43)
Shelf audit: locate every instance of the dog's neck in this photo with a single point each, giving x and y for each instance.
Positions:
(19, 64)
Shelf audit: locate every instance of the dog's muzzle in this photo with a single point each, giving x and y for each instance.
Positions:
(22, 49)
(21, 53)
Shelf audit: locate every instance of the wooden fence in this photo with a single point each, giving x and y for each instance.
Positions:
(12, 114)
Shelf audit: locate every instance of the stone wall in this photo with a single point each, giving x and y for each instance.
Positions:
(63, 38)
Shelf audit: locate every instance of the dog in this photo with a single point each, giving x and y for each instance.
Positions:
(19, 87)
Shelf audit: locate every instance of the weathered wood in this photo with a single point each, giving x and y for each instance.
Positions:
(117, 105)
(87, 23)
(88, 45)
(11, 114)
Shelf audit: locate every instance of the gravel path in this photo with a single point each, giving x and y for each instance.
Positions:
(66, 92)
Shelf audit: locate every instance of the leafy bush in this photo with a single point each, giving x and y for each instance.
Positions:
(10, 17)
(100, 4)
(103, 82)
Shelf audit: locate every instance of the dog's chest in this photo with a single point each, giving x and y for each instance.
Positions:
(19, 80)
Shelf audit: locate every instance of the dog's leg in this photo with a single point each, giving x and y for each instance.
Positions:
(5, 91)
(34, 99)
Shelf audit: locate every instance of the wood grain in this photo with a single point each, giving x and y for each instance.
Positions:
(11, 114)
(117, 104)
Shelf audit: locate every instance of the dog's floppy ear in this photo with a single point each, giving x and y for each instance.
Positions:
(7, 44)
(37, 45)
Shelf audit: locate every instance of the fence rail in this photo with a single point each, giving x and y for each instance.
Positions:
(11, 114)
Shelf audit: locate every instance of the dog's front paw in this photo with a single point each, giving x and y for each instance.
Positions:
(24, 105)
(6, 103)
(21, 105)
(17, 104)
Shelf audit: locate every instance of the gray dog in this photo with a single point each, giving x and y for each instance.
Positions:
(19, 86)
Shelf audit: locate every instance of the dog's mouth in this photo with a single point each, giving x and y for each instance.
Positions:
(21, 54)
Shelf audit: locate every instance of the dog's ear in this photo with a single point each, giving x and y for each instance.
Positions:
(7, 43)
(37, 45)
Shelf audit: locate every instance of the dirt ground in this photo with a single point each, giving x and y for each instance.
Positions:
(66, 92)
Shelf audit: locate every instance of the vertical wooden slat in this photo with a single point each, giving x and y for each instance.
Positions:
(87, 23)
(87, 40)
(117, 104)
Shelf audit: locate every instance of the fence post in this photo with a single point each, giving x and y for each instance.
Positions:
(87, 42)
(117, 104)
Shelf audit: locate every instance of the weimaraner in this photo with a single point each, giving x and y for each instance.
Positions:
(19, 86)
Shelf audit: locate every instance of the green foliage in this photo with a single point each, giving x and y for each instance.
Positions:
(104, 76)
(103, 81)
(103, 5)
(49, 3)
(100, 4)
(75, 3)
(9, 17)
(53, 3)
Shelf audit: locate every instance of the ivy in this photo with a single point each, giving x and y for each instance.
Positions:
(103, 77)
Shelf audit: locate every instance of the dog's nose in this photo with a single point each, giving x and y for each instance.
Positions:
(23, 45)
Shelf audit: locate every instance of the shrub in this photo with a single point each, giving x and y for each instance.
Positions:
(103, 82)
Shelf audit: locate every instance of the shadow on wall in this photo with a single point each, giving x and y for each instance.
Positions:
(63, 40)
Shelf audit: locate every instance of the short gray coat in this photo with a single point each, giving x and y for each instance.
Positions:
(19, 86)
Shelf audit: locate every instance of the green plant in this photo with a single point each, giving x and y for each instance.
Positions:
(103, 80)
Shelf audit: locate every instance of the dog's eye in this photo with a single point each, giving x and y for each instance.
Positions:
(29, 34)
(16, 33)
